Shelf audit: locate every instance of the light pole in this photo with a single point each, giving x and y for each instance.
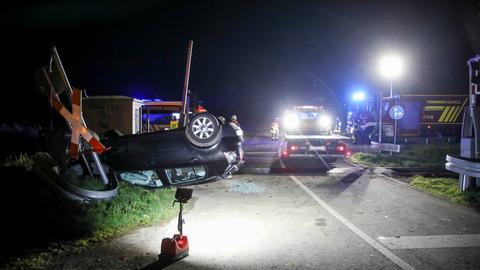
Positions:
(390, 67)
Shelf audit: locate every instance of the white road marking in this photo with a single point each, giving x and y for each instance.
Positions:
(345, 170)
(379, 247)
(431, 241)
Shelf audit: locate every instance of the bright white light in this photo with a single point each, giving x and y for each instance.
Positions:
(290, 121)
(391, 66)
(358, 96)
(325, 121)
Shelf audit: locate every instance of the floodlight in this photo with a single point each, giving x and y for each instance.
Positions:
(391, 66)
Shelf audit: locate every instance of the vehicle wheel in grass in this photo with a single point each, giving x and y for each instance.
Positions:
(203, 130)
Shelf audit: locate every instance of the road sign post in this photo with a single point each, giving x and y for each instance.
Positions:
(380, 115)
(396, 113)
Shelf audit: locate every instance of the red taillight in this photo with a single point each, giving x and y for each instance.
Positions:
(341, 148)
(348, 154)
(285, 153)
(294, 148)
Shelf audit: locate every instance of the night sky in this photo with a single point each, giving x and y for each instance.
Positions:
(250, 58)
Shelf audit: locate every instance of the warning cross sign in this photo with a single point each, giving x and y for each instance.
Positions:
(74, 120)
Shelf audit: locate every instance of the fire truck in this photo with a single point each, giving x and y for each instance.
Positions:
(423, 116)
(307, 131)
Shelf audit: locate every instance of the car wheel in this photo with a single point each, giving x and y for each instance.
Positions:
(203, 130)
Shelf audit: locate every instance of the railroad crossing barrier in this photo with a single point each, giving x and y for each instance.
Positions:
(388, 147)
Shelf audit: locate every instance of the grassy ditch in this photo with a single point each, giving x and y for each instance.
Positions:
(447, 188)
(410, 156)
(41, 224)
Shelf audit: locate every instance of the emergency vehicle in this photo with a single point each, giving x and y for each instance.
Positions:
(423, 116)
(129, 115)
(308, 132)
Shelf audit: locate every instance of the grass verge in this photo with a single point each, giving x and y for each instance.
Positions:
(43, 224)
(133, 207)
(410, 156)
(447, 188)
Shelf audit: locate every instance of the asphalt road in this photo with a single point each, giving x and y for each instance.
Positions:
(304, 214)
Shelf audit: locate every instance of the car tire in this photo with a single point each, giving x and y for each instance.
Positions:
(203, 130)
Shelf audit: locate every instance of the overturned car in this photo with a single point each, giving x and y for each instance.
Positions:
(205, 150)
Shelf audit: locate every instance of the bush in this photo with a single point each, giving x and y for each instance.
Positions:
(23, 160)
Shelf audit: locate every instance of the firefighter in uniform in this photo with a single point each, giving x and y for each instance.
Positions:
(234, 121)
(274, 130)
(338, 126)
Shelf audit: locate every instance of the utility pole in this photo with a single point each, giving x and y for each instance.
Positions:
(185, 104)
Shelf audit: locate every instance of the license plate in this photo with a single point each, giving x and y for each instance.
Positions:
(317, 148)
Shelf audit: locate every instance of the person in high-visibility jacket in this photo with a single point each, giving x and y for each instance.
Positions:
(338, 126)
(234, 121)
(274, 130)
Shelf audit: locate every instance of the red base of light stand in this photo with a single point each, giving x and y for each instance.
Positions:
(174, 248)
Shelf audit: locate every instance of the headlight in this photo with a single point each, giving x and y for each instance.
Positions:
(325, 121)
(290, 121)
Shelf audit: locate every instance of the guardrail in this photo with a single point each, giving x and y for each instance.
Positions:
(463, 166)
(388, 147)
